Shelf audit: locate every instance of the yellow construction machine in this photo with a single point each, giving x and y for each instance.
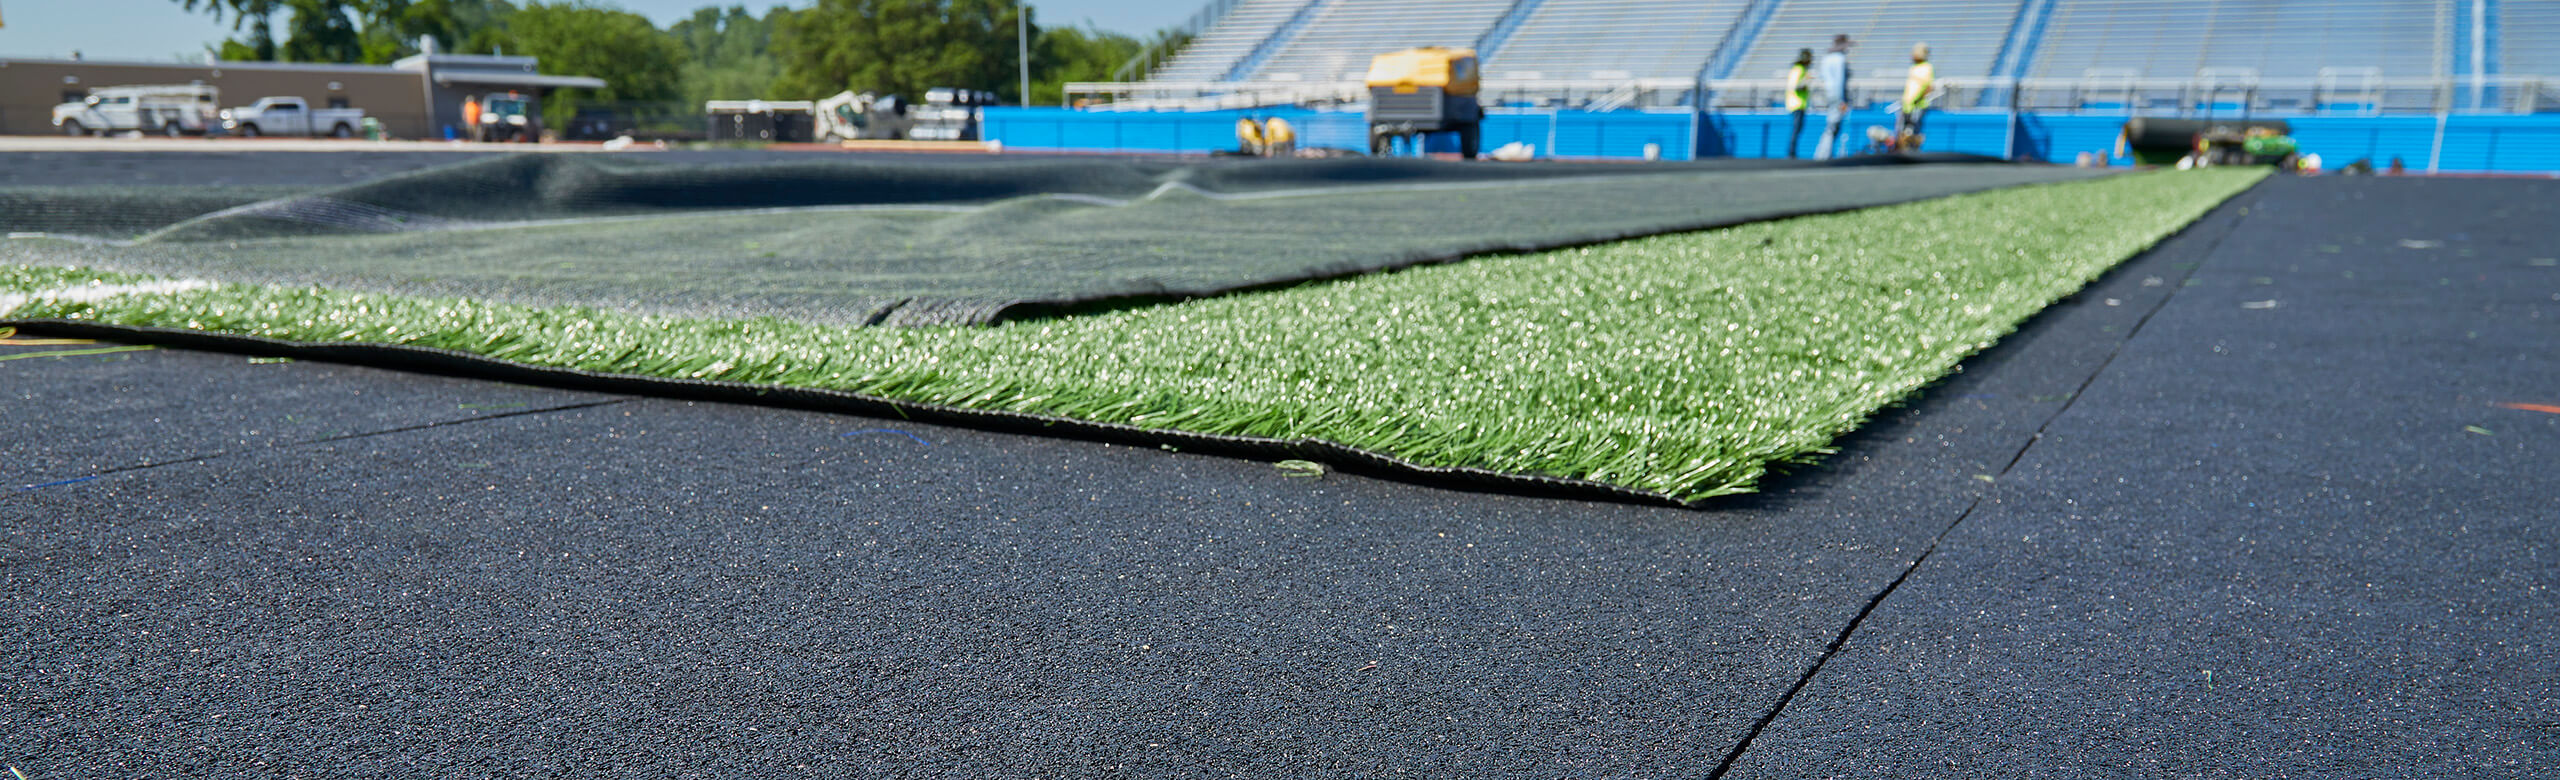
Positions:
(1426, 90)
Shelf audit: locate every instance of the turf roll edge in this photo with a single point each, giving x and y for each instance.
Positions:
(1674, 368)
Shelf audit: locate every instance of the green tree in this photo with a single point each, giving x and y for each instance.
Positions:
(729, 53)
(1068, 54)
(637, 62)
(900, 47)
(322, 32)
(257, 42)
(391, 28)
(371, 31)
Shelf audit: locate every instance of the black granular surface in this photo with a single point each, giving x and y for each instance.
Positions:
(856, 240)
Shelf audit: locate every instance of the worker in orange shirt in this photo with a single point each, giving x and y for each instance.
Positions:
(471, 118)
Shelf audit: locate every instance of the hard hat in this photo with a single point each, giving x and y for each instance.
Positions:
(1919, 51)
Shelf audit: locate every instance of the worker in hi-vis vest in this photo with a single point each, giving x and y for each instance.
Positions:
(1915, 96)
(1799, 93)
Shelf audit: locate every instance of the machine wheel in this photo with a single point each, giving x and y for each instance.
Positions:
(72, 127)
(172, 130)
(1468, 137)
(248, 131)
(342, 131)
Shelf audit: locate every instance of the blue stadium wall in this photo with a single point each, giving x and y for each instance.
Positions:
(2502, 143)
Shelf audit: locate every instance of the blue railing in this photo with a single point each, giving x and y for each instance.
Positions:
(2018, 51)
(1501, 33)
(1737, 42)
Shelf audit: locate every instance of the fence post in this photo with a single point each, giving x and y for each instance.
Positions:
(1695, 118)
(2436, 155)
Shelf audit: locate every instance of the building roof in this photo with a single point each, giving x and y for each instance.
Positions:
(514, 79)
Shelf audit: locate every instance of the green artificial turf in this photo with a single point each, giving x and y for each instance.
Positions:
(1682, 365)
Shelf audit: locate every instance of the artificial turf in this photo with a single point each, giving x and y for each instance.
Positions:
(1681, 365)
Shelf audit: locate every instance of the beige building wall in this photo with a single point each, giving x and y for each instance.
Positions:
(29, 89)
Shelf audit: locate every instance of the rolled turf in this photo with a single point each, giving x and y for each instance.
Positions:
(1681, 366)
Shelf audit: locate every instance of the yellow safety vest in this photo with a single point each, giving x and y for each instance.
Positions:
(1798, 92)
(1915, 89)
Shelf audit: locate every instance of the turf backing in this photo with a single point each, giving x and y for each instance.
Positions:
(907, 243)
(1680, 366)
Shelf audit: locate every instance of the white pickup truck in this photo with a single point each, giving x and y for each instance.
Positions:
(291, 116)
(168, 109)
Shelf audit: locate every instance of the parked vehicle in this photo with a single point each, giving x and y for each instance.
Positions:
(291, 116)
(861, 116)
(507, 116)
(1416, 92)
(762, 121)
(167, 109)
(949, 114)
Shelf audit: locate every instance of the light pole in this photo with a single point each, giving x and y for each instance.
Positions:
(1022, 48)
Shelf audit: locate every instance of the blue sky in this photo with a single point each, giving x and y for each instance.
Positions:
(159, 30)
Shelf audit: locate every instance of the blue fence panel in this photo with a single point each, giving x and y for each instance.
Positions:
(1527, 129)
(1623, 134)
(2501, 143)
(2062, 137)
(1986, 134)
(2472, 142)
(1764, 134)
(2341, 139)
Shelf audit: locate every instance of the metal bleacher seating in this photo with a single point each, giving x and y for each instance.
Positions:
(1574, 39)
(2180, 56)
(1338, 42)
(2220, 55)
(1964, 36)
(1218, 49)
(2287, 40)
(2531, 37)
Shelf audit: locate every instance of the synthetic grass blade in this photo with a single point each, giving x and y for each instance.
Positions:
(1678, 366)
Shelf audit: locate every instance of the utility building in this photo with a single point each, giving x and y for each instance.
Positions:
(417, 97)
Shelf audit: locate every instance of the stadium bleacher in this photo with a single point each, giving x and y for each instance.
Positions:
(2463, 85)
(1220, 48)
(1338, 42)
(1963, 37)
(2338, 56)
(2529, 37)
(1645, 39)
(2276, 40)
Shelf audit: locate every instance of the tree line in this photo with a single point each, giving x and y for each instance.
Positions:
(900, 47)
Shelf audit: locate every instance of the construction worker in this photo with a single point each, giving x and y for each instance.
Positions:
(1915, 98)
(1278, 139)
(470, 118)
(1833, 71)
(1799, 92)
